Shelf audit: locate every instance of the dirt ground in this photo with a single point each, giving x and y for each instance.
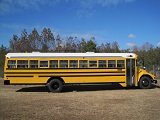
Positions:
(93, 102)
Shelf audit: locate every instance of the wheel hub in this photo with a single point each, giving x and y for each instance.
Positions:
(55, 86)
(145, 82)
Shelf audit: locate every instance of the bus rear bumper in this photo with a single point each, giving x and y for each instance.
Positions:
(154, 81)
(6, 82)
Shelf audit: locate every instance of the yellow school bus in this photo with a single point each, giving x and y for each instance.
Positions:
(57, 69)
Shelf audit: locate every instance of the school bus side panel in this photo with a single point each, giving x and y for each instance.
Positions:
(68, 75)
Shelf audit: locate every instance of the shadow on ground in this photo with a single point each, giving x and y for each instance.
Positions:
(80, 88)
(155, 86)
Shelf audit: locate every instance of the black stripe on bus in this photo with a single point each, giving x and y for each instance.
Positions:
(18, 76)
(95, 83)
(58, 68)
(61, 72)
(65, 83)
(67, 57)
(81, 75)
(67, 75)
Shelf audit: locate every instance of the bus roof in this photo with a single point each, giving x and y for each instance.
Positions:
(67, 55)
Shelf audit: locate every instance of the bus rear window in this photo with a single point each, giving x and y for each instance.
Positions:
(11, 63)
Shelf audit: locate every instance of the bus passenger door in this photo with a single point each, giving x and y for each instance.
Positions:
(130, 72)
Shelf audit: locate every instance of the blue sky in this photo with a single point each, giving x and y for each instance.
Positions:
(129, 22)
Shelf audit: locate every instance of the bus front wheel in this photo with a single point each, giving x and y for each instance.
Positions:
(145, 83)
(55, 85)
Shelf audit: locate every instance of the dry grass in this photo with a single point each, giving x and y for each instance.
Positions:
(79, 103)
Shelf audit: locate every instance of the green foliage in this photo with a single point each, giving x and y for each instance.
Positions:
(89, 46)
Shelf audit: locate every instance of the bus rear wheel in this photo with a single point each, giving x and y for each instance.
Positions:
(55, 85)
(145, 83)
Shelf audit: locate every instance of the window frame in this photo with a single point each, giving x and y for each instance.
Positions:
(43, 65)
(73, 64)
(63, 63)
(56, 65)
(22, 64)
(85, 64)
(112, 64)
(92, 65)
(103, 65)
(121, 64)
(13, 65)
(33, 64)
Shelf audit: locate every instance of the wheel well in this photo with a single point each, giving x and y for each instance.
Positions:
(59, 78)
(146, 76)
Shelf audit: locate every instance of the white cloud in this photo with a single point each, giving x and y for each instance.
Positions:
(131, 36)
(158, 44)
(131, 44)
(14, 26)
(87, 6)
(79, 36)
(84, 13)
(7, 6)
(104, 3)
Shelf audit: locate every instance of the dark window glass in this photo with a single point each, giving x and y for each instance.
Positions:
(22, 64)
(11, 63)
(120, 63)
(63, 63)
(83, 64)
(102, 63)
(53, 63)
(43, 63)
(93, 63)
(73, 63)
(33, 63)
(111, 63)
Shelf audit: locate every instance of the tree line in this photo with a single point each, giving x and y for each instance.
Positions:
(46, 41)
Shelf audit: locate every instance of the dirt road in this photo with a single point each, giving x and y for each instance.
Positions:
(100, 102)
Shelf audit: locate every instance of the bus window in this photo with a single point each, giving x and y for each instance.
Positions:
(11, 63)
(43, 63)
(53, 63)
(111, 63)
(93, 63)
(102, 63)
(83, 64)
(73, 63)
(63, 63)
(120, 63)
(22, 64)
(33, 63)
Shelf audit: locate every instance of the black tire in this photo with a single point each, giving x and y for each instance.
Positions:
(145, 83)
(55, 85)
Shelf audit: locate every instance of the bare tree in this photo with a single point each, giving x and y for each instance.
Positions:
(34, 39)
